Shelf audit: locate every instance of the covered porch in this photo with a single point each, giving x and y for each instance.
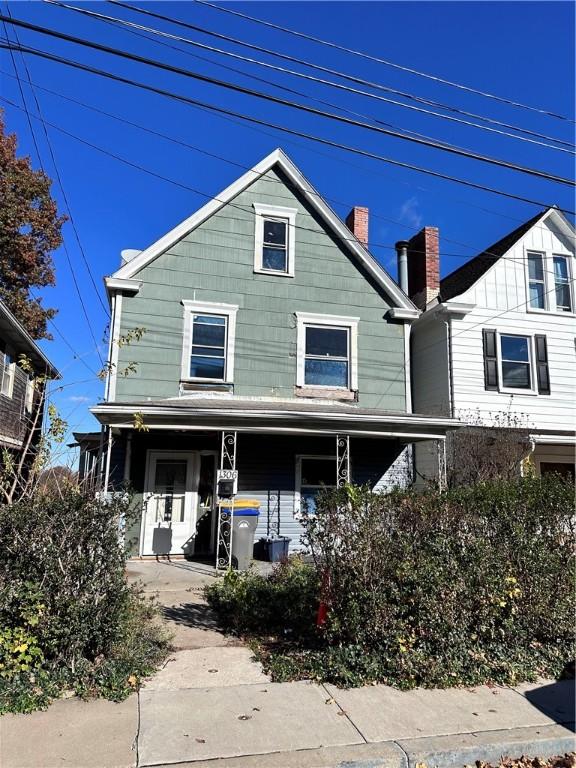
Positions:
(173, 454)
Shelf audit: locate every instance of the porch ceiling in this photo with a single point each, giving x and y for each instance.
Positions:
(278, 416)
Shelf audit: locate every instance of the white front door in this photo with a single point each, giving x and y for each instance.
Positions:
(170, 503)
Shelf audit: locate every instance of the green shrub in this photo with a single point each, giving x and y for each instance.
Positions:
(465, 586)
(64, 600)
(282, 604)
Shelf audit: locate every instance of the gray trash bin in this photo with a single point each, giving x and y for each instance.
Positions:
(245, 521)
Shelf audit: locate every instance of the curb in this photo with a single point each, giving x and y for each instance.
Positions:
(452, 751)
(457, 750)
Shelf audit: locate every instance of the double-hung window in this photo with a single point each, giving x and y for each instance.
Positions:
(562, 284)
(327, 352)
(516, 362)
(549, 278)
(274, 240)
(537, 283)
(8, 370)
(208, 350)
(208, 354)
(327, 356)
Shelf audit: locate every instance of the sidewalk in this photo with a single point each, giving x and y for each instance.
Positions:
(212, 706)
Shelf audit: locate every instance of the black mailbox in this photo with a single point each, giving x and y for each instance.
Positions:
(225, 489)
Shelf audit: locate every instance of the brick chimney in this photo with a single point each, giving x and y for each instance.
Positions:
(424, 267)
(357, 222)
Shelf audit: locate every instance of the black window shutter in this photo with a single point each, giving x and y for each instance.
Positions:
(490, 359)
(542, 373)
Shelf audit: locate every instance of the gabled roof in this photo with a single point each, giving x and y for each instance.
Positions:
(463, 278)
(13, 332)
(279, 159)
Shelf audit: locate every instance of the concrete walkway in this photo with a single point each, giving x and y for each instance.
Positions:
(212, 706)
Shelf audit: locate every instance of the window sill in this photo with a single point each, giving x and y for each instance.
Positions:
(205, 385)
(272, 272)
(529, 392)
(326, 393)
(553, 312)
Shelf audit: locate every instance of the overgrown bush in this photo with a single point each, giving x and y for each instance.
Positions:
(283, 604)
(435, 588)
(68, 619)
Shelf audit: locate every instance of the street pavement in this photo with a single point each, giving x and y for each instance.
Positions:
(212, 706)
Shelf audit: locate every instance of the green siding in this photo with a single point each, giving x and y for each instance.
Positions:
(215, 263)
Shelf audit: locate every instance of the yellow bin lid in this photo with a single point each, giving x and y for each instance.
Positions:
(243, 504)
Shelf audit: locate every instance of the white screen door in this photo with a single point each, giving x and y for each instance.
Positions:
(170, 503)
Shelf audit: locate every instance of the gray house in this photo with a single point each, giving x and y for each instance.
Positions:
(275, 351)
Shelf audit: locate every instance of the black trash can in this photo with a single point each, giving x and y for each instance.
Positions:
(273, 549)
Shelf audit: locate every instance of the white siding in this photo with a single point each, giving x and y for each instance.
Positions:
(500, 297)
(430, 382)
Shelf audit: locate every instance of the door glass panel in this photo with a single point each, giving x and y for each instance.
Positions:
(170, 489)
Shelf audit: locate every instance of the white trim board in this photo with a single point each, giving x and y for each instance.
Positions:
(263, 212)
(334, 223)
(305, 319)
(209, 308)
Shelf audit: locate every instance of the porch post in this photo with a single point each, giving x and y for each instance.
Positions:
(342, 460)
(225, 514)
(108, 457)
(442, 469)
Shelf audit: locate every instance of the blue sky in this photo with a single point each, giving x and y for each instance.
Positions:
(521, 50)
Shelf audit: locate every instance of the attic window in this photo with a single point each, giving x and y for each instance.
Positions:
(274, 240)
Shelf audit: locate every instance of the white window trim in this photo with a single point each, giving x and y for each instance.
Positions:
(550, 307)
(274, 212)
(304, 319)
(533, 382)
(29, 396)
(569, 264)
(8, 371)
(298, 479)
(209, 308)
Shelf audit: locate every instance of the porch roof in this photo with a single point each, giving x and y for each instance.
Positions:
(280, 416)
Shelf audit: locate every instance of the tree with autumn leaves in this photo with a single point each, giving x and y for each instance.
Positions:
(30, 230)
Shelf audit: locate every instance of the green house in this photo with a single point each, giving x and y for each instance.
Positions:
(274, 353)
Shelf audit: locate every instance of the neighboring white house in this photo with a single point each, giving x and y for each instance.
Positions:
(498, 336)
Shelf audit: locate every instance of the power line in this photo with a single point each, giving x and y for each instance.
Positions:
(244, 167)
(287, 103)
(242, 207)
(293, 132)
(134, 31)
(17, 74)
(378, 60)
(342, 75)
(28, 116)
(132, 27)
(58, 176)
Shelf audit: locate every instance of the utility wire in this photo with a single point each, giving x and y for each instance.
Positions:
(244, 208)
(287, 103)
(114, 22)
(327, 142)
(236, 164)
(24, 108)
(131, 26)
(320, 140)
(342, 75)
(386, 62)
(132, 29)
(58, 176)
(17, 76)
